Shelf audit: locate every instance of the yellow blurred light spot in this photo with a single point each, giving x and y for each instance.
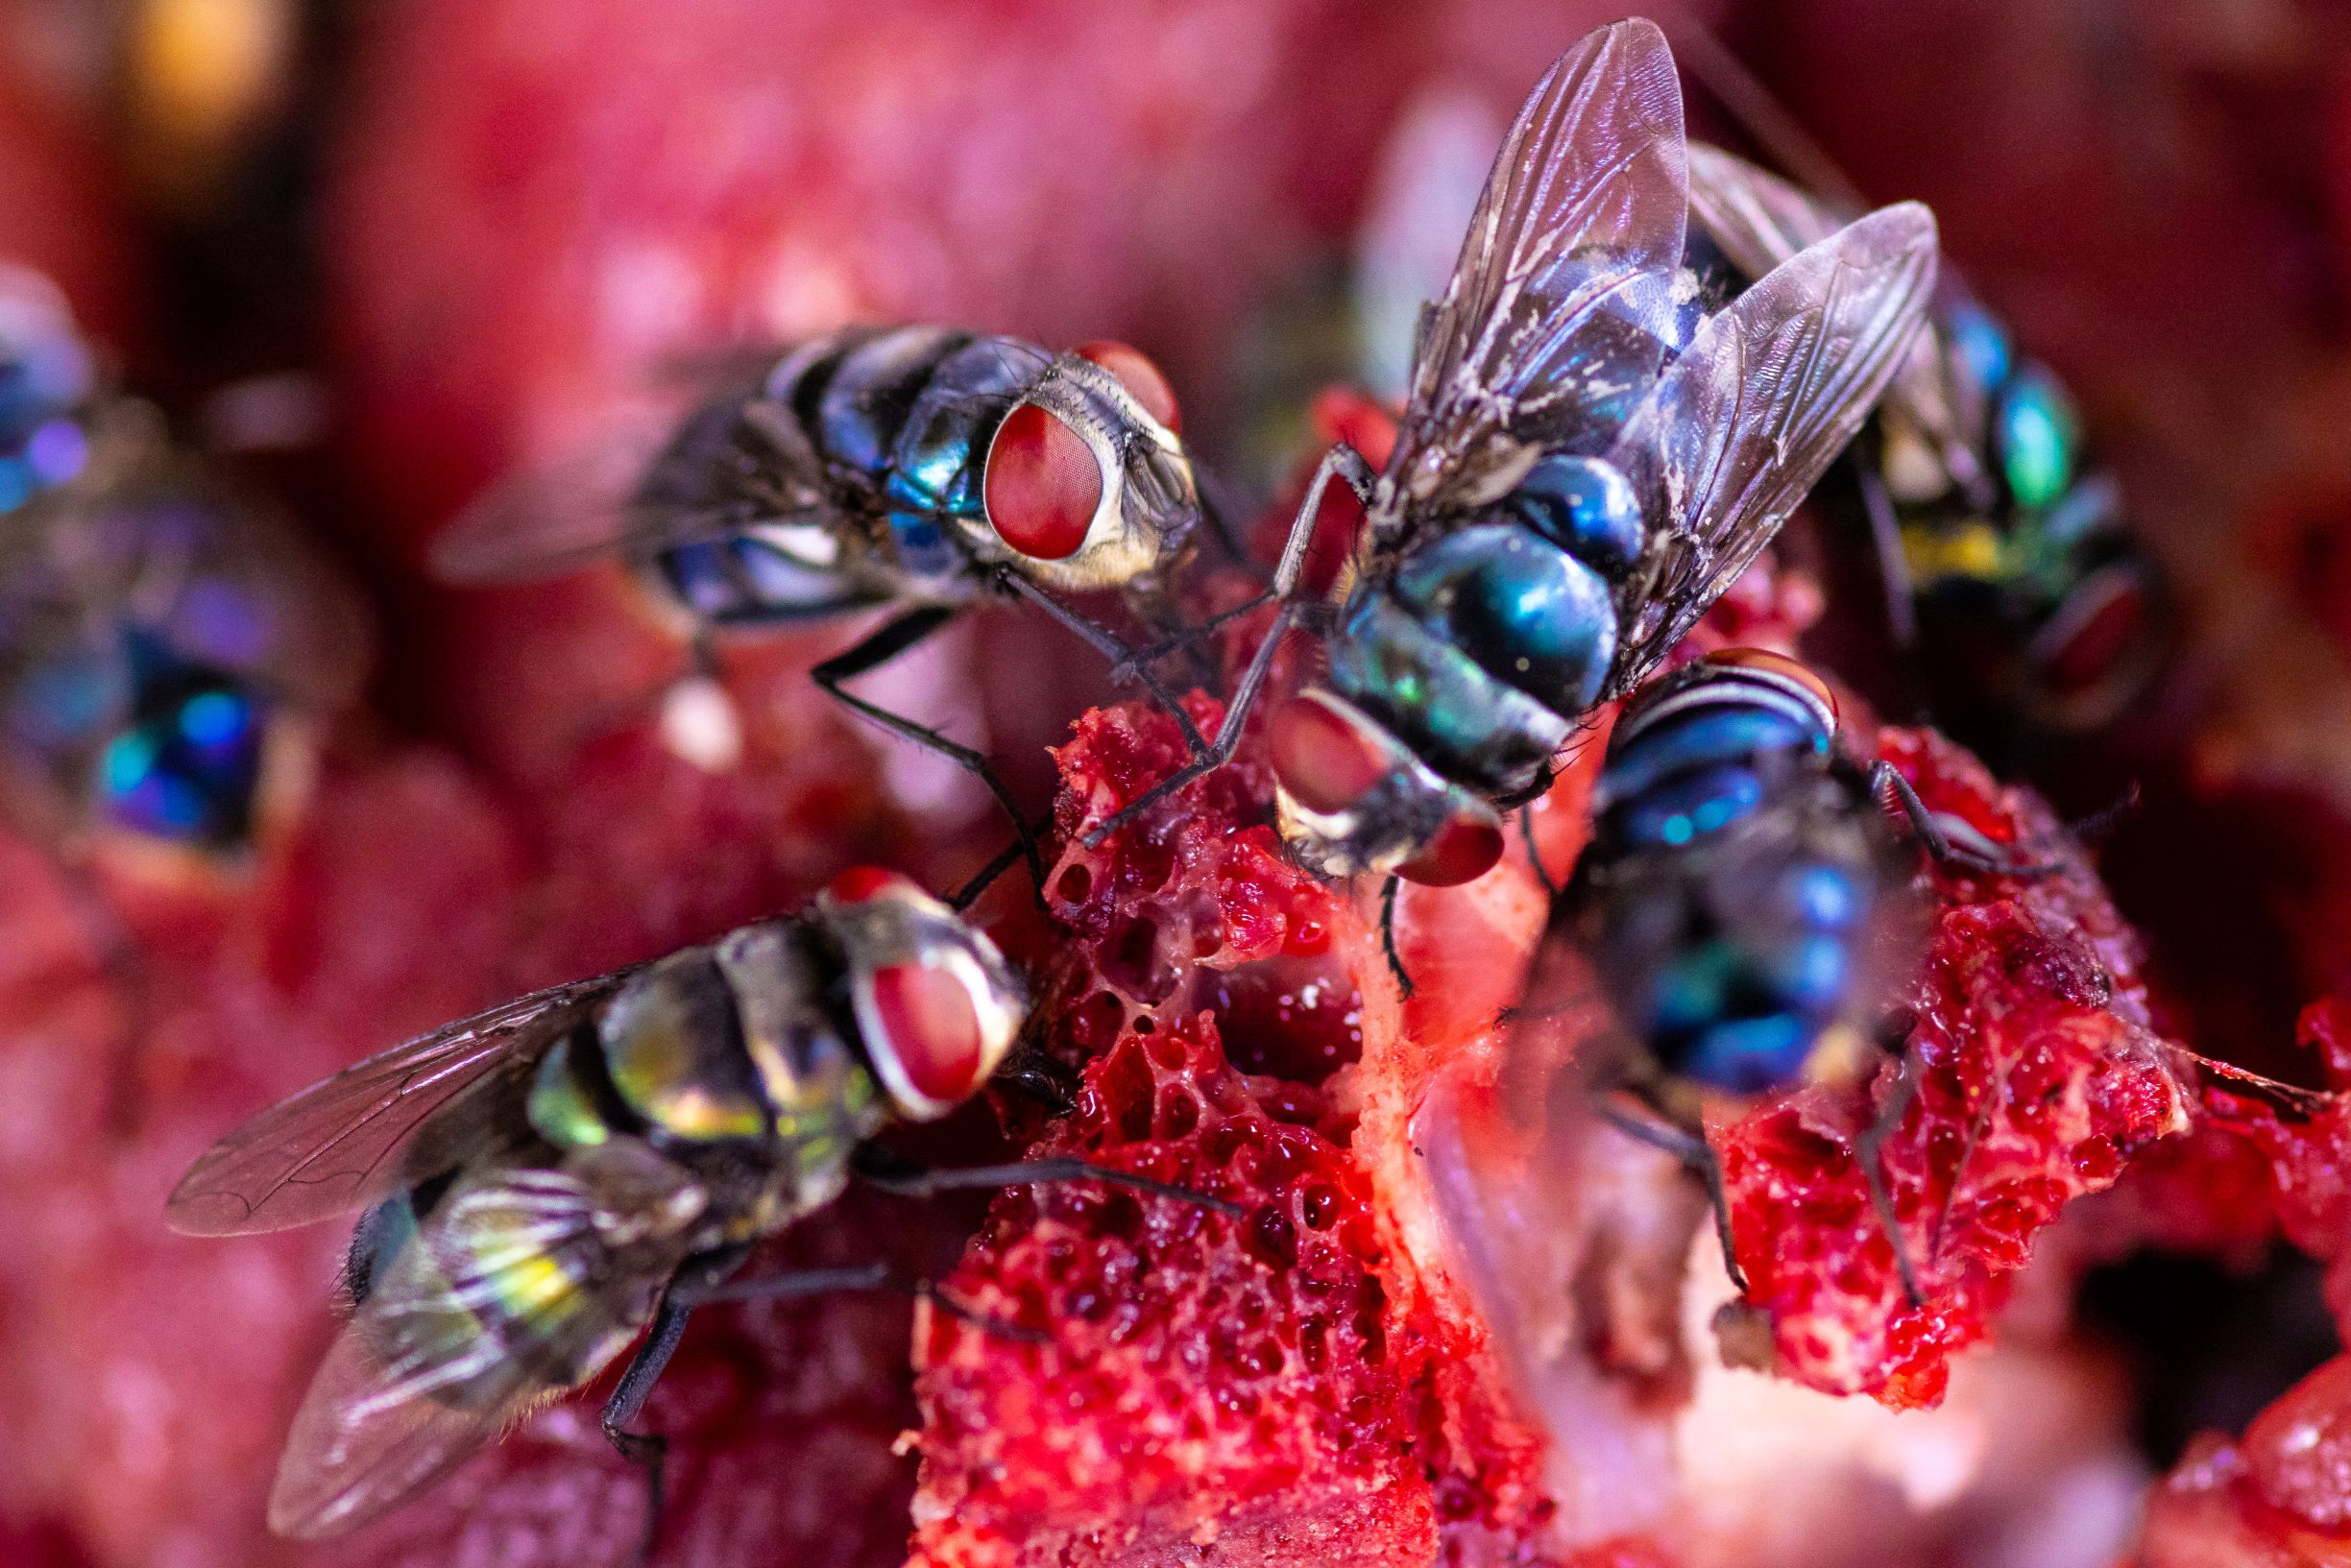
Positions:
(201, 72)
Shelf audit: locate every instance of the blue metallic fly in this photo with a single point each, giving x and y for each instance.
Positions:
(1588, 458)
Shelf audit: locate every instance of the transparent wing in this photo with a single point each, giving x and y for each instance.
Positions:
(570, 514)
(2203, 1070)
(438, 1360)
(1739, 427)
(346, 1142)
(1587, 198)
(1759, 220)
(700, 455)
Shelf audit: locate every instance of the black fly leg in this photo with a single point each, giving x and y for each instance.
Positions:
(1124, 661)
(1696, 1155)
(1941, 842)
(124, 966)
(893, 1174)
(1867, 1148)
(1388, 941)
(886, 644)
(873, 1276)
(1893, 566)
(1342, 462)
(649, 1451)
(965, 897)
(1534, 854)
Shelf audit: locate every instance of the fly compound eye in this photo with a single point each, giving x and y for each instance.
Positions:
(1779, 666)
(1324, 758)
(1465, 849)
(2096, 634)
(1140, 377)
(934, 1029)
(858, 884)
(1042, 486)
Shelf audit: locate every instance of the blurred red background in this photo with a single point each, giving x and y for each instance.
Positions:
(478, 224)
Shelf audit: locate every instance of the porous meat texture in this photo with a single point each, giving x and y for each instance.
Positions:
(2038, 1079)
(1287, 1386)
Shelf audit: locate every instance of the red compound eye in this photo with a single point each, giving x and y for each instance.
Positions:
(1781, 666)
(1322, 757)
(1138, 375)
(929, 1029)
(2094, 635)
(1042, 484)
(858, 884)
(1465, 849)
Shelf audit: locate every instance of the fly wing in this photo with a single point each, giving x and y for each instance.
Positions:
(1587, 198)
(566, 516)
(679, 466)
(1739, 427)
(504, 1297)
(1759, 220)
(346, 1142)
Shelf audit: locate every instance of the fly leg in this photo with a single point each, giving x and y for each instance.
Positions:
(1388, 940)
(1868, 1149)
(873, 1276)
(1694, 1152)
(123, 966)
(1955, 844)
(1893, 566)
(1124, 661)
(1341, 461)
(965, 897)
(649, 1451)
(886, 644)
(892, 1173)
(1534, 854)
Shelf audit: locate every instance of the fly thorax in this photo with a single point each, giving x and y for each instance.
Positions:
(675, 1053)
(1397, 656)
(822, 1096)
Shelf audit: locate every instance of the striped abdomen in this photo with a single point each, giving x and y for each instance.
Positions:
(895, 424)
(1728, 893)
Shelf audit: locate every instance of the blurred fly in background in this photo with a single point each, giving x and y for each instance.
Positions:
(457, 237)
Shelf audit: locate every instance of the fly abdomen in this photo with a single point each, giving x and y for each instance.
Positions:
(188, 765)
(504, 1271)
(1754, 959)
(1523, 609)
(1435, 699)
